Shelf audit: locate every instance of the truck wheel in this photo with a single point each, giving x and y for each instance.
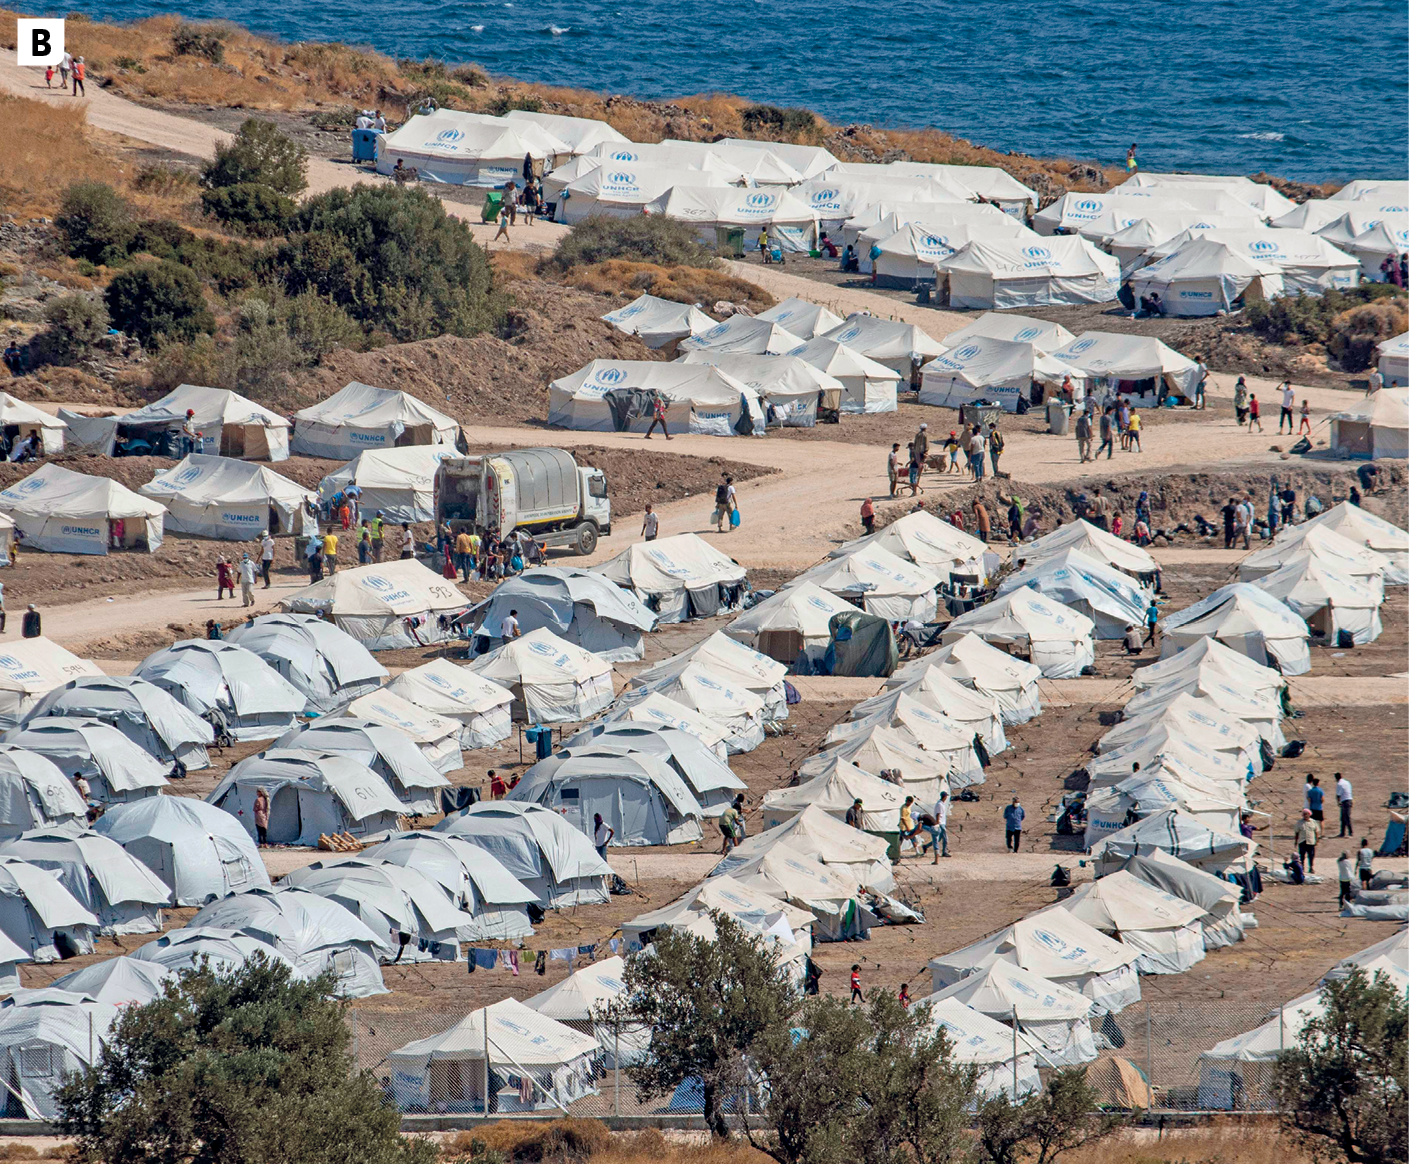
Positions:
(586, 538)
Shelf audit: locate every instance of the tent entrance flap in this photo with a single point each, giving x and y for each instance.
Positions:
(628, 404)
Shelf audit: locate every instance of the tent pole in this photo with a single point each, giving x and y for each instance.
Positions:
(1149, 1049)
(616, 1101)
(1015, 1054)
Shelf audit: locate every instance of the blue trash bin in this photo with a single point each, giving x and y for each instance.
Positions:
(364, 145)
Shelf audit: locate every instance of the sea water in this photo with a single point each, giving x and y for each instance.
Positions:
(1305, 89)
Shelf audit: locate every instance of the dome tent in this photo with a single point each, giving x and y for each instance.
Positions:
(730, 660)
(229, 499)
(198, 851)
(122, 893)
(1246, 619)
(325, 663)
(385, 607)
(450, 691)
(1110, 599)
(35, 794)
(223, 949)
(47, 1036)
(140, 710)
(709, 778)
(120, 981)
(1056, 638)
(390, 752)
(360, 417)
(116, 769)
(552, 681)
(973, 663)
(223, 681)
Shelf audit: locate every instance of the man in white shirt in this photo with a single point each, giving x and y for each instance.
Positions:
(602, 835)
(1245, 520)
(247, 577)
(1288, 403)
(510, 627)
(65, 66)
(266, 555)
(1345, 799)
(1365, 861)
(1377, 381)
(939, 831)
(1345, 870)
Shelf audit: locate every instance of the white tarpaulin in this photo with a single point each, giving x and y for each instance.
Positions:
(142, 711)
(27, 421)
(1197, 719)
(1178, 834)
(972, 662)
(743, 335)
(666, 157)
(867, 385)
(984, 1043)
(122, 893)
(437, 737)
(1332, 603)
(1164, 928)
(72, 513)
(1002, 273)
(40, 916)
(1387, 239)
(908, 256)
(733, 707)
(221, 497)
(1163, 784)
(929, 542)
(678, 577)
(1246, 619)
(1112, 600)
(834, 791)
(581, 998)
(1092, 542)
(999, 370)
(1366, 529)
(1209, 662)
(1055, 638)
(923, 773)
(979, 713)
(659, 322)
(386, 607)
(580, 134)
(1204, 277)
(253, 700)
(116, 769)
(1222, 918)
(837, 197)
(1077, 211)
(881, 582)
(797, 874)
(789, 388)
(657, 710)
(991, 183)
(1376, 427)
(30, 669)
(361, 417)
(619, 395)
(1267, 201)
(447, 690)
(1138, 365)
(35, 793)
(730, 660)
(229, 425)
(624, 190)
(328, 665)
(456, 148)
(552, 680)
(399, 484)
(119, 981)
(747, 904)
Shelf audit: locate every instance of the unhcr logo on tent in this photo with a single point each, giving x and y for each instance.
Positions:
(1028, 333)
(760, 199)
(187, 475)
(967, 352)
(449, 135)
(1263, 246)
(820, 604)
(609, 376)
(378, 583)
(1083, 345)
(625, 156)
(934, 240)
(1088, 205)
(849, 334)
(622, 179)
(1040, 254)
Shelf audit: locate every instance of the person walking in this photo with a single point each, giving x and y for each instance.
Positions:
(893, 468)
(1240, 400)
(1151, 623)
(976, 452)
(1308, 832)
(1245, 518)
(1345, 872)
(913, 470)
(1316, 799)
(995, 447)
(602, 834)
(939, 831)
(266, 555)
(1287, 416)
(1365, 862)
(1107, 435)
(1013, 816)
(1254, 413)
(1201, 387)
(1132, 432)
(464, 554)
(261, 817)
(378, 536)
(868, 516)
(650, 525)
(364, 546)
(951, 446)
(65, 67)
(330, 549)
(248, 574)
(856, 995)
(1304, 428)
(728, 828)
(80, 71)
(983, 525)
(920, 446)
(658, 418)
(1230, 523)
(408, 541)
(1345, 801)
(224, 579)
(1100, 510)
(909, 830)
(1375, 382)
(31, 626)
(1083, 437)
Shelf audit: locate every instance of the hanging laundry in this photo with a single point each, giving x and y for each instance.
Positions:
(615, 944)
(486, 959)
(514, 962)
(540, 963)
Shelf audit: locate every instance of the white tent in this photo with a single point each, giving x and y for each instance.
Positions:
(328, 665)
(1165, 929)
(978, 712)
(361, 417)
(659, 322)
(413, 775)
(581, 134)
(1246, 619)
(791, 623)
(666, 157)
(867, 385)
(230, 425)
(1056, 946)
(1110, 599)
(1178, 834)
(541, 141)
(982, 1042)
(580, 1000)
(922, 773)
(1376, 427)
(856, 858)
(891, 342)
(46, 1036)
(40, 916)
(1371, 189)
(384, 607)
(1054, 1017)
(1240, 1073)
(310, 794)
(314, 933)
(1394, 360)
(719, 213)
(444, 689)
(251, 699)
(64, 512)
(122, 893)
(1365, 528)
(556, 180)
(35, 793)
(1055, 638)
(1204, 277)
(732, 706)
(398, 483)
(878, 581)
(467, 1067)
(1254, 698)
(1005, 371)
(1393, 949)
(789, 388)
(19, 421)
(802, 317)
(1223, 920)
(1092, 542)
(1308, 262)
(656, 710)
(678, 577)
(619, 395)
(1077, 211)
(770, 862)
(579, 606)
(704, 770)
(1161, 785)
(455, 148)
(552, 680)
(30, 669)
(1387, 239)
(838, 197)
(140, 710)
(229, 499)
(1266, 200)
(993, 184)
(436, 737)
(117, 770)
(908, 256)
(538, 847)
(930, 542)
(640, 797)
(743, 335)
(809, 161)
(1001, 273)
(1332, 603)
(1132, 243)
(729, 659)
(1194, 718)
(1137, 365)
(974, 663)
(1317, 213)
(625, 190)
(747, 904)
(200, 852)
(120, 981)
(1353, 221)
(834, 791)
(1042, 334)
(1160, 744)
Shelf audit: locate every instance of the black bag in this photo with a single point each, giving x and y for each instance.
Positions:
(1060, 877)
(721, 495)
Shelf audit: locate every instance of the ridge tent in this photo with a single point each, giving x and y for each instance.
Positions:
(1178, 834)
(7, 540)
(656, 710)
(19, 421)
(928, 749)
(580, 134)
(1248, 620)
(889, 214)
(1001, 273)
(551, 858)
(225, 684)
(1357, 220)
(40, 916)
(745, 903)
(437, 738)
(704, 771)
(1365, 528)
(473, 880)
(1211, 659)
(1140, 243)
(314, 933)
(536, 136)
(1387, 239)
(1093, 542)
(790, 389)
(836, 198)
(1042, 334)
(410, 774)
(890, 342)
(1367, 189)
(1055, 638)
(1228, 692)
(830, 892)
(809, 161)
(738, 217)
(1110, 599)
(907, 256)
(1267, 201)
(120, 981)
(820, 839)
(552, 680)
(1315, 214)
(123, 894)
(221, 497)
(834, 791)
(930, 728)
(46, 1036)
(743, 335)
(972, 662)
(735, 708)
(310, 794)
(1055, 1018)
(36, 794)
(1160, 744)
(444, 689)
(1135, 365)
(1200, 720)
(1332, 603)
(360, 416)
(730, 660)
(1376, 427)
(992, 184)
(1056, 946)
(802, 317)
(1218, 210)
(679, 577)
(397, 483)
(384, 607)
(866, 384)
(1165, 929)
(1076, 211)
(1222, 920)
(579, 606)
(467, 1067)
(142, 711)
(190, 947)
(640, 797)
(198, 851)
(1308, 262)
(557, 179)
(63, 512)
(1204, 277)
(325, 663)
(581, 999)
(927, 541)
(457, 149)
(951, 225)
(659, 322)
(667, 157)
(619, 395)
(1164, 784)
(877, 581)
(1007, 371)
(625, 190)
(30, 669)
(1393, 949)
(229, 425)
(791, 625)
(977, 712)
(982, 1042)
(117, 770)
(1394, 360)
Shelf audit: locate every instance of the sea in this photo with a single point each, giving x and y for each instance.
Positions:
(1312, 90)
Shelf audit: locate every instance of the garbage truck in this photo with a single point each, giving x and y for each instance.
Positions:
(541, 491)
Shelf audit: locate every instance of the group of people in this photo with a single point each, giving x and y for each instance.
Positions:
(245, 570)
(69, 68)
(488, 556)
(980, 444)
(1117, 422)
(515, 201)
(1396, 271)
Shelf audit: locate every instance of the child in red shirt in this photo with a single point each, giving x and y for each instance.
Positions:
(856, 984)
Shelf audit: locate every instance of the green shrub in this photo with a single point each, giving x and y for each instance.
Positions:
(76, 324)
(131, 64)
(260, 155)
(190, 41)
(96, 222)
(667, 242)
(160, 237)
(344, 117)
(471, 75)
(160, 179)
(258, 209)
(1348, 324)
(507, 101)
(771, 119)
(231, 267)
(159, 301)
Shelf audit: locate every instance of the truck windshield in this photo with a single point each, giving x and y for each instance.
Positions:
(597, 486)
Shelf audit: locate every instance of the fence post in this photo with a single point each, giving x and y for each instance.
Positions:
(1149, 1048)
(352, 1018)
(616, 1098)
(1015, 1054)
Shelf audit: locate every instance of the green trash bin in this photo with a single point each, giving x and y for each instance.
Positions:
(493, 203)
(892, 840)
(729, 241)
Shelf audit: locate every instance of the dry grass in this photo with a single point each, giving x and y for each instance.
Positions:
(679, 284)
(1221, 1142)
(47, 150)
